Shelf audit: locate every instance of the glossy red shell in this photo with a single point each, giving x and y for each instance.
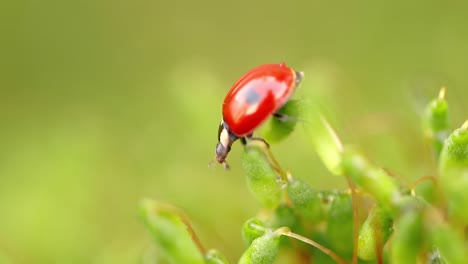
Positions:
(256, 96)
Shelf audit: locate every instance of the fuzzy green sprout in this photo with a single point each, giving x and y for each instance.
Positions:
(374, 233)
(377, 220)
(165, 223)
(174, 235)
(436, 121)
(453, 168)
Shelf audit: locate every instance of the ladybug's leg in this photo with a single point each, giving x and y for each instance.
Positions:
(243, 141)
(250, 137)
(285, 118)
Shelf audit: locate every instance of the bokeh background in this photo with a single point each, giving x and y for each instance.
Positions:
(103, 103)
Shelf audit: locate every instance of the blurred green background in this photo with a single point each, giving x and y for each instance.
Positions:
(103, 103)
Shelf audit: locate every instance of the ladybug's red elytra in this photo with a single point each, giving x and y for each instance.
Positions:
(257, 95)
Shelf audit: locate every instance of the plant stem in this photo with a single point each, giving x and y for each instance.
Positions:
(267, 151)
(418, 181)
(186, 222)
(355, 219)
(287, 232)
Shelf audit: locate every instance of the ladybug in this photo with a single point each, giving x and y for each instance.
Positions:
(256, 96)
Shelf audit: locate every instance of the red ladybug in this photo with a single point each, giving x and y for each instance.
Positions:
(257, 95)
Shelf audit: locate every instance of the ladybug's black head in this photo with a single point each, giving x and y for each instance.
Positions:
(225, 140)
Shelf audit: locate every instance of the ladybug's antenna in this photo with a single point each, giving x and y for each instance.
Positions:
(213, 161)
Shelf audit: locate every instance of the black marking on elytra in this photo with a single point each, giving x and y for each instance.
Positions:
(252, 97)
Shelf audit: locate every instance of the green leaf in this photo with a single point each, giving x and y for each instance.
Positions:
(340, 223)
(307, 202)
(323, 138)
(408, 240)
(263, 178)
(372, 179)
(251, 230)
(263, 250)
(277, 129)
(170, 232)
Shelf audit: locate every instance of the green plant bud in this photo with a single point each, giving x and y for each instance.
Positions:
(262, 179)
(340, 223)
(278, 129)
(374, 233)
(170, 232)
(263, 250)
(427, 190)
(324, 139)
(307, 202)
(371, 178)
(408, 239)
(250, 230)
(283, 216)
(453, 168)
(450, 244)
(213, 256)
(436, 121)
